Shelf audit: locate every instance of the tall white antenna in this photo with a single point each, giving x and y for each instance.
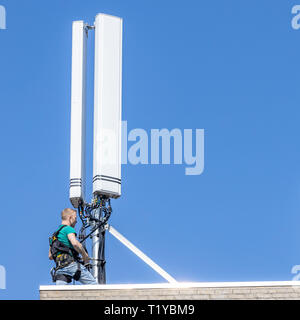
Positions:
(78, 97)
(107, 104)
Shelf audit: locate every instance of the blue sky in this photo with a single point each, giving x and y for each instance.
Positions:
(227, 67)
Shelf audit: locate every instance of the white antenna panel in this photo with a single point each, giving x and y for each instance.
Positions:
(78, 97)
(107, 106)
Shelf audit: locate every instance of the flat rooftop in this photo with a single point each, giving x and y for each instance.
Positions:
(176, 291)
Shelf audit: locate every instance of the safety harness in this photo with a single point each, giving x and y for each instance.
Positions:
(63, 256)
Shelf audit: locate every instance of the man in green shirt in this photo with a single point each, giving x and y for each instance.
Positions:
(67, 235)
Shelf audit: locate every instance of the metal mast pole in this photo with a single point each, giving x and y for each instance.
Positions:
(95, 245)
(101, 257)
(100, 215)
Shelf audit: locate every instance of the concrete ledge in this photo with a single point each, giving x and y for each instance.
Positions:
(179, 291)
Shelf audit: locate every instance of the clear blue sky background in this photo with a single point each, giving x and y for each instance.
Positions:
(229, 67)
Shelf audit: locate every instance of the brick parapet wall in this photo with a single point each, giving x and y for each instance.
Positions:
(182, 291)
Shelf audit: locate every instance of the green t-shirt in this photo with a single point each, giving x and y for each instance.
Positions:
(63, 235)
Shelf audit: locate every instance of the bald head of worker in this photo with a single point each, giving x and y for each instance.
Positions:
(69, 217)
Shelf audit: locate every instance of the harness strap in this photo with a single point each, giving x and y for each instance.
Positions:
(59, 230)
(63, 248)
(77, 274)
(63, 277)
(64, 259)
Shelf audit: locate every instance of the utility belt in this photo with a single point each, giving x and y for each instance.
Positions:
(63, 260)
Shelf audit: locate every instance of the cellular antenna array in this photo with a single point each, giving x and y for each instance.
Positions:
(107, 137)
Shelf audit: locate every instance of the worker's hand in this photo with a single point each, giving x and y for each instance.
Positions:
(86, 260)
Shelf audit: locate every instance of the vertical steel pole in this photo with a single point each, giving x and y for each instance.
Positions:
(99, 242)
(101, 257)
(95, 246)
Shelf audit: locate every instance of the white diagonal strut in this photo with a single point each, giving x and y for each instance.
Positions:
(140, 254)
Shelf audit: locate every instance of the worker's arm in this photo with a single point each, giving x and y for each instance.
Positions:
(78, 247)
(50, 255)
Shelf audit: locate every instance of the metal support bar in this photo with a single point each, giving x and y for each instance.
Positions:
(140, 254)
